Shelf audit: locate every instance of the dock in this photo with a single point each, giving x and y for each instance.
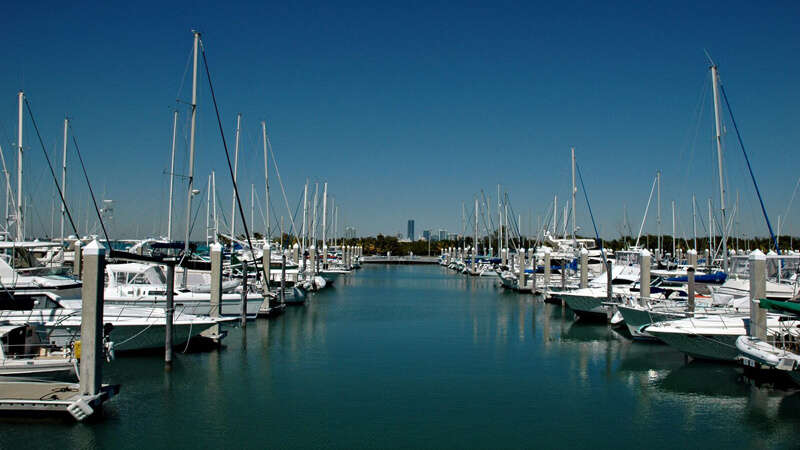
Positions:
(35, 398)
(401, 260)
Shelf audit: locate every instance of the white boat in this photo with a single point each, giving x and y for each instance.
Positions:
(713, 336)
(23, 356)
(145, 285)
(20, 271)
(58, 321)
(592, 301)
(767, 354)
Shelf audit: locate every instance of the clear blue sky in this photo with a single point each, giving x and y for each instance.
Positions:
(407, 109)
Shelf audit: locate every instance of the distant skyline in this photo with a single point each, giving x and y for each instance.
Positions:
(406, 109)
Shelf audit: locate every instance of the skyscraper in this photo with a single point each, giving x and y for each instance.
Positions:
(411, 230)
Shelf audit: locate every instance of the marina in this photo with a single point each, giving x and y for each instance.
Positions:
(456, 225)
(416, 356)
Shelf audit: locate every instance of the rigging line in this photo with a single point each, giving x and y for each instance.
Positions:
(286, 200)
(486, 202)
(52, 172)
(586, 195)
(644, 219)
(185, 73)
(699, 107)
(91, 191)
(230, 167)
(292, 231)
(785, 216)
(750, 168)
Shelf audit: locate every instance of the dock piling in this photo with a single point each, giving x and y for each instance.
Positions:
(91, 368)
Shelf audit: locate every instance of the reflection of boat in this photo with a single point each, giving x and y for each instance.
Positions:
(590, 332)
(706, 378)
(644, 357)
(24, 356)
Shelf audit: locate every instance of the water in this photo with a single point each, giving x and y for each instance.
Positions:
(401, 356)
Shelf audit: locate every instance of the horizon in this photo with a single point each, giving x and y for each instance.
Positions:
(407, 110)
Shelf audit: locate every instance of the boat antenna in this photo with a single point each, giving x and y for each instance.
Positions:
(711, 61)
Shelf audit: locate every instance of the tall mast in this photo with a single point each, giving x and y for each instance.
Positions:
(172, 177)
(499, 221)
(208, 211)
(214, 204)
(555, 214)
(658, 215)
(191, 152)
(64, 187)
(325, 221)
(20, 227)
(673, 229)
(314, 219)
(694, 221)
(266, 173)
(305, 214)
(573, 197)
(475, 246)
(718, 119)
(235, 174)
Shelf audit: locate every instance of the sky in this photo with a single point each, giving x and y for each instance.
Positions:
(408, 110)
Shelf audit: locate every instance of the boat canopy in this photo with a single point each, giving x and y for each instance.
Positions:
(781, 306)
(134, 273)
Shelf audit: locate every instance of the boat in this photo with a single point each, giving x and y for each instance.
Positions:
(58, 321)
(713, 337)
(145, 285)
(23, 356)
(782, 352)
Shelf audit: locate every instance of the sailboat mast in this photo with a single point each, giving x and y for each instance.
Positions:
(475, 246)
(235, 175)
(325, 225)
(305, 214)
(172, 177)
(694, 221)
(658, 215)
(214, 204)
(208, 210)
(64, 186)
(673, 230)
(20, 228)
(266, 174)
(499, 221)
(718, 120)
(574, 242)
(191, 151)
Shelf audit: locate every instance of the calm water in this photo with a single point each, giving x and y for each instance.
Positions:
(399, 356)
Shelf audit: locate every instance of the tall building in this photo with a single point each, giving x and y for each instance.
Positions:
(442, 235)
(350, 233)
(411, 230)
(426, 235)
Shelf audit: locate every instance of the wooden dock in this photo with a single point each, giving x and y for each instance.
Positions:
(401, 260)
(35, 398)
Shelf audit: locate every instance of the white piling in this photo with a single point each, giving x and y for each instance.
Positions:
(584, 268)
(758, 290)
(92, 320)
(644, 277)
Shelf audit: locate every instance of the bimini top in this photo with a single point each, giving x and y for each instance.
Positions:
(135, 273)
